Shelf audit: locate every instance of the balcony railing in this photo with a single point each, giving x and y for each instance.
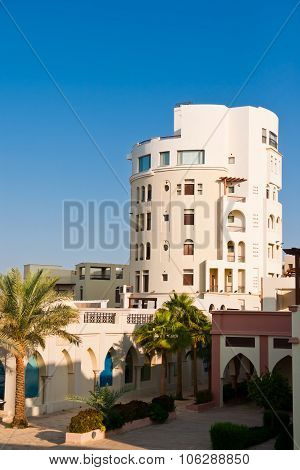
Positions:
(139, 318)
(228, 288)
(99, 317)
(100, 277)
(241, 259)
(241, 289)
(235, 228)
(237, 198)
(230, 257)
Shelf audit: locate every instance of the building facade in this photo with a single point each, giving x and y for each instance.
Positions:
(206, 219)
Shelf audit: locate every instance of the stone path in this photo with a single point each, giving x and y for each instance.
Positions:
(189, 431)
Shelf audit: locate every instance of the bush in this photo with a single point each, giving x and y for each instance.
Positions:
(229, 436)
(203, 396)
(285, 438)
(133, 410)
(87, 420)
(157, 413)
(114, 420)
(271, 391)
(165, 401)
(276, 421)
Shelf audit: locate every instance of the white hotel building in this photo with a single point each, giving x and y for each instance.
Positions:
(206, 219)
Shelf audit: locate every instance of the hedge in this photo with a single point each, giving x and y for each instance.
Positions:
(86, 421)
(229, 436)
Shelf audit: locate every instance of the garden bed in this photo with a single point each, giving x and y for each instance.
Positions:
(96, 435)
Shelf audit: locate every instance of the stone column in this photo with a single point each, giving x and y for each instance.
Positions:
(10, 389)
(96, 377)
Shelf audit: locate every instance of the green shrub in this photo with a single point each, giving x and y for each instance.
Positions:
(87, 420)
(271, 391)
(229, 436)
(157, 413)
(102, 399)
(114, 420)
(203, 396)
(276, 421)
(284, 439)
(133, 410)
(165, 401)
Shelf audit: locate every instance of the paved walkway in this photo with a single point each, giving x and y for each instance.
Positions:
(189, 431)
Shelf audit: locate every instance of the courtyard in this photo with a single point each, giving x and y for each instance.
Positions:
(190, 431)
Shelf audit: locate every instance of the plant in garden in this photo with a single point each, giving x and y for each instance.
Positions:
(165, 401)
(157, 413)
(86, 421)
(102, 399)
(31, 310)
(271, 391)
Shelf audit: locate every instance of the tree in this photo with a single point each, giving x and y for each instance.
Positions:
(271, 391)
(163, 334)
(31, 310)
(199, 328)
(179, 306)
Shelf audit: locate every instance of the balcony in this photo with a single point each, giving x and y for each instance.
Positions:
(231, 257)
(241, 289)
(213, 289)
(235, 228)
(228, 289)
(236, 198)
(241, 259)
(99, 317)
(139, 318)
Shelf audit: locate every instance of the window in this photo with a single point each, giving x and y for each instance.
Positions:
(188, 247)
(144, 163)
(189, 187)
(179, 189)
(149, 192)
(141, 251)
(281, 343)
(148, 220)
(137, 195)
(81, 292)
(137, 281)
(191, 157)
(142, 222)
(117, 295)
(188, 277)
(82, 273)
(100, 273)
(166, 217)
(264, 136)
(239, 342)
(148, 250)
(231, 160)
(119, 273)
(274, 195)
(145, 281)
(136, 252)
(200, 189)
(143, 194)
(267, 193)
(231, 219)
(270, 250)
(273, 139)
(164, 158)
(230, 189)
(164, 277)
(137, 223)
(188, 217)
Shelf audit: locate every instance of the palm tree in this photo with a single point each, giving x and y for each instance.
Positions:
(161, 335)
(179, 306)
(199, 327)
(31, 310)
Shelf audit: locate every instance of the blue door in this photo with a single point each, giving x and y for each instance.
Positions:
(106, 374)
(2, 381)
(32, 378)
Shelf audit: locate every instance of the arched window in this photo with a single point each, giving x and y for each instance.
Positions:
(137, 194)
(148, 250)
(136, 252)
(236, 221)
(271, 222)
(230, 251)
(32, 378)
(267, 192)
(106, 376)
(222, 307)
(141, 251)
(117, 295)
(188, 247)
(2, 381)
(149, 192)
(241, 252)
(146, 369)
(211, 308)
(129, 367)
(143, 196)
(278, 221)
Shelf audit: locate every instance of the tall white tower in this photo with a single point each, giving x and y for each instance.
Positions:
(206, 216)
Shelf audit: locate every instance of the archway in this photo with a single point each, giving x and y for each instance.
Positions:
(130, 360)
(284, 368)
(2, 381)
(238, 371)
(146, 369)
(70, 372)
(106, 376)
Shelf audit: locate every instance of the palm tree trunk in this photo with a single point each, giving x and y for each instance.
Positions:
(179, 394)
(163, 374)
(20, 420)
(194, 366)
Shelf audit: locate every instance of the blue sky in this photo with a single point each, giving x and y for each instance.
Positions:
(123, 66)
